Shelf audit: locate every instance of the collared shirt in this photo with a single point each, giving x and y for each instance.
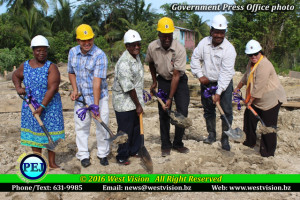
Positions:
(165, 61)
(266, 89)
(216, 63)
(129, 75)
(86, 67)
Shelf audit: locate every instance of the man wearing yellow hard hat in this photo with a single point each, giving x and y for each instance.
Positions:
(87, 67)
(167, 62)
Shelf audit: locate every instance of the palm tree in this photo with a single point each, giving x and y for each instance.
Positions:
(16, 5)
(34, 23)
(200, 27)
(62, 19)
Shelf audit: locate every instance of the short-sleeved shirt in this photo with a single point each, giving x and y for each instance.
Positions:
(165, 61)
(216, 63)
(129, 75)
(86, 67)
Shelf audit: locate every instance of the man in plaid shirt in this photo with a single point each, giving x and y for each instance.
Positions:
(87, 66)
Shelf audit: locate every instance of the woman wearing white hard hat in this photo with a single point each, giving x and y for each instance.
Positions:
(264, 94)
(41, 79)
(128, 96)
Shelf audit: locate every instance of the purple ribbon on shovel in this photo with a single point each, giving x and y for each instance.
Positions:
(31, 99)
(162, 95)
(146, 96)
(82, 111)
(208, 92)
(238, 98)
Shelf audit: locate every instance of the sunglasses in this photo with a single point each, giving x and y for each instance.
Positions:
(254, 54)
(135, 44)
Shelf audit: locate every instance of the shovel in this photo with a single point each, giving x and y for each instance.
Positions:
(120, 138)
(177, 118)
(236, 133)
(51, 145)
(263, 129)
(145, 156)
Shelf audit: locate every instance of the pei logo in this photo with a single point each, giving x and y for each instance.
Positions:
(33, 167)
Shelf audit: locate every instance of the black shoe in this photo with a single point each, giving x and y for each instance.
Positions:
(225, 142)
(123, 162)
(104, 161)
(209, 140)
(226, 146)
(181, 149)
(165, 152)
(85, 162)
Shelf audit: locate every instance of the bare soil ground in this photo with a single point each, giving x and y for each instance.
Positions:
(202, 159)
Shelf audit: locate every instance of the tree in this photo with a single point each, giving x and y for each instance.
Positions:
(278, 32)
(200, 27)
(62, 18)
(16, 5)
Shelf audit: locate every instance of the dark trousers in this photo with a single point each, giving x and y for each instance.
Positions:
(182, 100)
(269, 140)
(225, 102)
(128, 122)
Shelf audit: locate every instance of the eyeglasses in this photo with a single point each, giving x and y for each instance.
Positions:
(135, 44)
(254, 54)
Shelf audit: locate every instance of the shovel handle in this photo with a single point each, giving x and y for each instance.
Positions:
(37, 117)
(103, 124)
(220, 108)
(223, 114)
(141, 124)
(256, 115)
(158, 99)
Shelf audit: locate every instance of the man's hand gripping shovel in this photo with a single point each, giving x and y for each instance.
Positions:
(120, 138)
(177, 118)
(51, 145)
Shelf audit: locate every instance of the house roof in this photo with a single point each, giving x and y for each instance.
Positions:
(184, 29)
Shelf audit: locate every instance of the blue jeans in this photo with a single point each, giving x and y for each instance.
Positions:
(225, 102)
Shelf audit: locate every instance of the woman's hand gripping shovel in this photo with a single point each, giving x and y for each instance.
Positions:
(51, 145)
(143, 153)
(120, 138)
(264, 129)
(177, 118)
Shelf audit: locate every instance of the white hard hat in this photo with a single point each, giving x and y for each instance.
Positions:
(219, 22)
(39, 41)
(131, 36)
(252, 47)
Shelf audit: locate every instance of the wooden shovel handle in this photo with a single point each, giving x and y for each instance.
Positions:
(220, 108)
(158, 99)
(141, 124)
(37, 117)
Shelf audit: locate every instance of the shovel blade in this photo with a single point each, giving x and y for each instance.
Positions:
(120, 138)
(51, 145)
(235, 134)
(146, 159)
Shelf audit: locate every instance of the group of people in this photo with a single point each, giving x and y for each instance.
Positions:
(212, 63)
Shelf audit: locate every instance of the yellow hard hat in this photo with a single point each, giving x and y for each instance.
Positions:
(165, 25)
(84, 32)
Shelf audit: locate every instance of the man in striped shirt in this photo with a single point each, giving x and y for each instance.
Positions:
(87, 66)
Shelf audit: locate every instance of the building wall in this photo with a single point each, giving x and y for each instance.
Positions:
(189, 40)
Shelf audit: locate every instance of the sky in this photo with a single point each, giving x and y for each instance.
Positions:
(155, 4)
